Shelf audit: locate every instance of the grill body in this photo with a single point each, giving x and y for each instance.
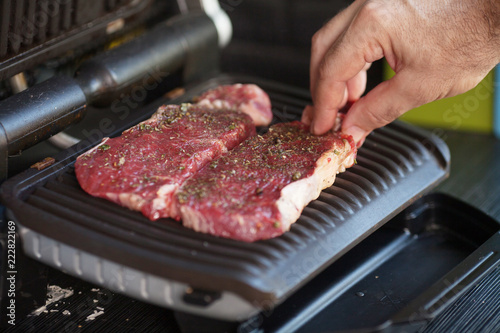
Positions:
(160, 261)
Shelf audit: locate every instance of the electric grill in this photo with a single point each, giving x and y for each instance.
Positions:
(196, 274)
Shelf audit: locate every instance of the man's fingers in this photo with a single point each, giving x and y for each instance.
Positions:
(326, 37)
(380, 106)
(307, 115)
(330, 96)
(356, 86)
(343, 61)
(340, 65)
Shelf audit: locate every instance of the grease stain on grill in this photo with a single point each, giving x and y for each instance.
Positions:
(346, 195)
(339, 206)
(371, 176)
(401, 161)
(321, 209)
(388, 167)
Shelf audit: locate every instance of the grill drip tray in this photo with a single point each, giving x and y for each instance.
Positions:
(401, 276)
(165, 264)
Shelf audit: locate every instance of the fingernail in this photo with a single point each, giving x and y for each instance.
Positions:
(306, 118)
(313, 124)
(357, 133)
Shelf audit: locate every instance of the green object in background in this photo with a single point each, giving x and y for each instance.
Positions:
(496, 103)
(471, 111)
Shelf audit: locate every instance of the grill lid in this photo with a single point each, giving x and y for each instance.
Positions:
(32, 32)
(396, 165)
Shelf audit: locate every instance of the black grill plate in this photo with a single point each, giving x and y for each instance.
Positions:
(396, 165)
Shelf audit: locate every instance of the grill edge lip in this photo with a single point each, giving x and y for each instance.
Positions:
(293, 263)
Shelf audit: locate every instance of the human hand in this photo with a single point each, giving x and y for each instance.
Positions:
(437, 49)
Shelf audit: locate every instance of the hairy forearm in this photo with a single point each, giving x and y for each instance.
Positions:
(492, 16)
(479, 26)
(490, 13)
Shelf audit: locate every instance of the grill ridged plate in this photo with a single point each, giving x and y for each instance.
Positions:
(33, 31)
(396, 165)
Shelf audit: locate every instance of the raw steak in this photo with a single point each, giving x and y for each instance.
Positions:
(247, 98)
(257, 190)
(143, 167)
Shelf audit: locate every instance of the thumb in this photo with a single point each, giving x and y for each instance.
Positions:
(383, 104)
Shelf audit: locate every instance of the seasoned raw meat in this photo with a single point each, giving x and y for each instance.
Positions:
(143, 167)
(247, 98)
(257, 190)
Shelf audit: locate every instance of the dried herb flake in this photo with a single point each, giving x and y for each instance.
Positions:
(296, 175)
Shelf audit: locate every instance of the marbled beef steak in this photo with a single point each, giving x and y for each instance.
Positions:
(257, 190)
(186, 162)
(143, 167)
(246, 98)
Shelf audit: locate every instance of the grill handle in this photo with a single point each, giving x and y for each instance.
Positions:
(39, 112)
(188, 41)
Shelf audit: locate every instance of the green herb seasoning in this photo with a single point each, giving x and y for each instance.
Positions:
(104, 147)
(296, 175)
(182, 198)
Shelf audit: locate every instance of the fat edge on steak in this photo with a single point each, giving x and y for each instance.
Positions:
(157, 199)
(257, 190)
